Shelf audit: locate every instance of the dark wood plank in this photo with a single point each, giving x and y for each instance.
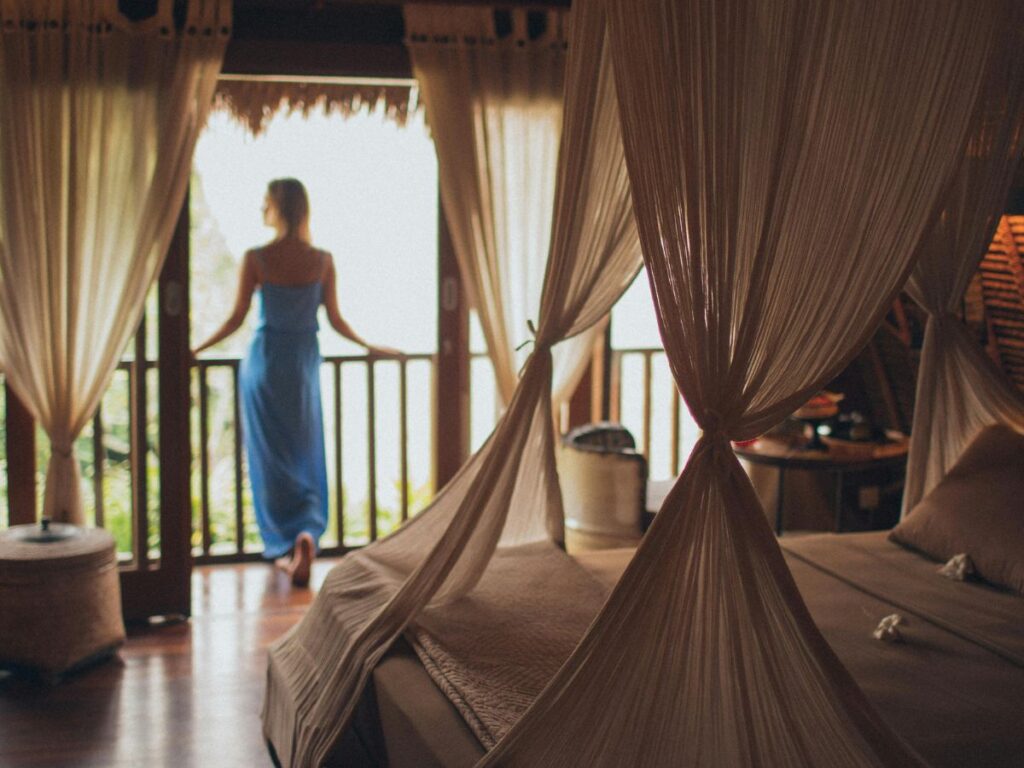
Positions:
(21, 461)
(350, 39)
(185, 694)
(581, 404)
(451, 383)
(316, 59)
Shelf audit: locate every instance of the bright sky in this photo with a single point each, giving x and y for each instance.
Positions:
(634, 324)
(373, 200)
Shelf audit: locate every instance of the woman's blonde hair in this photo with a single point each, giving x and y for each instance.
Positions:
(292, 203)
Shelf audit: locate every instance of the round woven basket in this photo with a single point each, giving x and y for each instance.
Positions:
(60, 597)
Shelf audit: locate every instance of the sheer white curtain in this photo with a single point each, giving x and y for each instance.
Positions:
(98, 119)
(495, 106)
(959, 389)
(508, 493)
(785, 158)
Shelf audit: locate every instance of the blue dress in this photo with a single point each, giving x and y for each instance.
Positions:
(282, 417)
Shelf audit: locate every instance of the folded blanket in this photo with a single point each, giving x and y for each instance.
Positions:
(494, 650)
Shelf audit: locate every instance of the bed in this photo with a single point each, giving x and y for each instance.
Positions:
(953, 688)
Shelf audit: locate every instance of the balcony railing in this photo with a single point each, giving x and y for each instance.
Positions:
(658, 418)
(379, 440)
(222, 535)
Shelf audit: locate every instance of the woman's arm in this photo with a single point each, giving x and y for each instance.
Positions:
(243, 298)
(338, 323)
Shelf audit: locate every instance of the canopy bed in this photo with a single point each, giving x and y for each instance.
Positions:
(725, 127)
(949, 681)
(944, 671)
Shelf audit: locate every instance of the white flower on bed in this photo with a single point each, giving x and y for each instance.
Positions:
(887, 631)
(958, 568)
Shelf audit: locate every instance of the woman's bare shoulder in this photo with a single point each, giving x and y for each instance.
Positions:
(326, 261)
(258, 251)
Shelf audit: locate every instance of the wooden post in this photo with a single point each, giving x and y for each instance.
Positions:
(580, 402)
(175, 425)
(451, 379)
(603, 379)
(138, 403)
(164, 588)
(589, 402)
(21, 461)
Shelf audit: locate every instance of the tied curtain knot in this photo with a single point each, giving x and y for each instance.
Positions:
(533, 336)
(61, 448)
(713, 427)
(540, 356)
(542, 347)
(714, 440)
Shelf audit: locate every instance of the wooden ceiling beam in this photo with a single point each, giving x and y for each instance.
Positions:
(316, 59)
(328, 37)
(318, 5)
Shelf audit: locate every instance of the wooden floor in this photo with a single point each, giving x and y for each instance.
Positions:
(186, 694)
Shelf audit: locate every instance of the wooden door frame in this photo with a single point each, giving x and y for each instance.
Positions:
(451, 381)
(164, 587)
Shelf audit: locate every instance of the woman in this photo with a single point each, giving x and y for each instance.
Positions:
(279, 379)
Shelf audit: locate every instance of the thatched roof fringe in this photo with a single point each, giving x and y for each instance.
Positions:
(254, 102)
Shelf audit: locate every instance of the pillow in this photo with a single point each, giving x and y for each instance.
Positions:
(977, 509)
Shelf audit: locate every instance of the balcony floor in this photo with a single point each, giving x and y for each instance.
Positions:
(186, 694)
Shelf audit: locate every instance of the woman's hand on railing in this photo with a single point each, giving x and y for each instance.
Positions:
(374, 351)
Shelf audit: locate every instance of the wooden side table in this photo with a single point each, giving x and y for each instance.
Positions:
(838, 464)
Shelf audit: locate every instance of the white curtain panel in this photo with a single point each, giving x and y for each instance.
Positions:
(959, 389)
(785, 158)
(507, 494)
(98, 120)
(495, 106)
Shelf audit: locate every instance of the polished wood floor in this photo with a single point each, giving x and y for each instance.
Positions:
(185, 694)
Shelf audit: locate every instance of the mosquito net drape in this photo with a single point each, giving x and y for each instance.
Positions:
(507, 494)
(784, 158)
(959, 389)
(98, 120)
(495, 106)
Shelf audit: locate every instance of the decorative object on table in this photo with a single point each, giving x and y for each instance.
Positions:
(816, 412)
(60, 598)
(855, 428)
(852, 436)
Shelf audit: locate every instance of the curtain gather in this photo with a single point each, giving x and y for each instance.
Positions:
(785, 158)
(507, 493)
(959, 389)
(495, 106)
(98, 120)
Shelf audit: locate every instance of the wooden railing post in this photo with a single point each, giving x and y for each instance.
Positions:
(581, 404)
(590, 401)
(603, 375)
(21, 461)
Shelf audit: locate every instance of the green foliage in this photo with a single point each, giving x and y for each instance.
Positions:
(357, 526)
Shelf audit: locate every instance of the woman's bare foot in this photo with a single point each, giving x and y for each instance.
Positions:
(284, 563)
(302, 559)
